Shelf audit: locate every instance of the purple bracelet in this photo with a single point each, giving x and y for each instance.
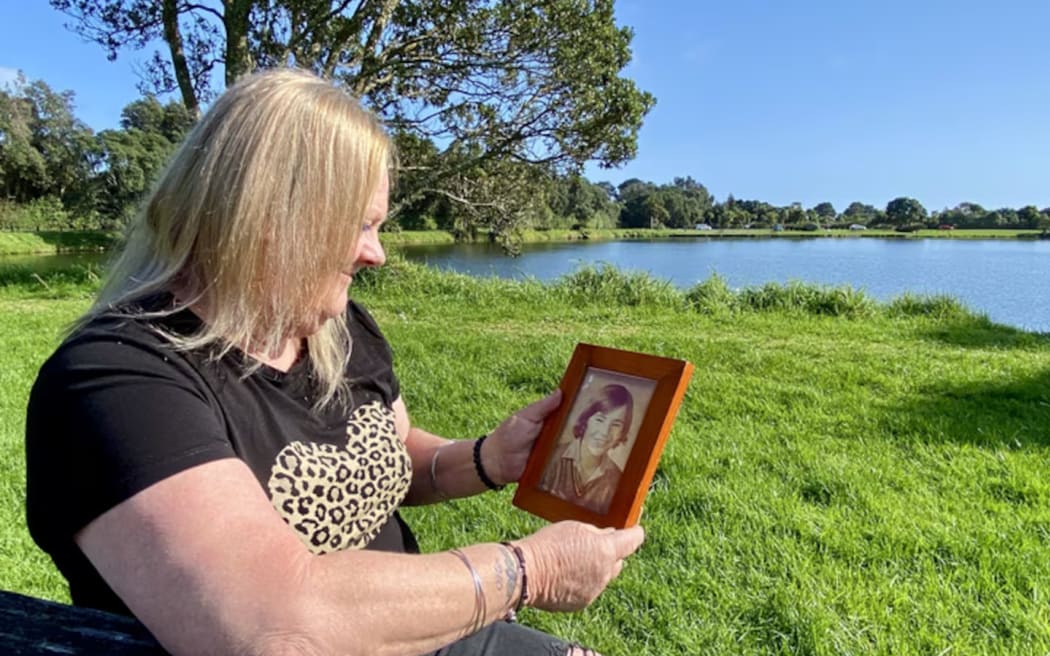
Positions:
(516, 550)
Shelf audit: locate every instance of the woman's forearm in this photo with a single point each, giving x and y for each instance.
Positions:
(444, 469)
(369, 602)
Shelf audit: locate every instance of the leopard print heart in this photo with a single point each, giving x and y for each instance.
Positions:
(340, 497)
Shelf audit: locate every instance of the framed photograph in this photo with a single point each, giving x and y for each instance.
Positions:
(596, 455)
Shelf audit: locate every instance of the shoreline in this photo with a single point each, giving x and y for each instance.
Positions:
(62, 242)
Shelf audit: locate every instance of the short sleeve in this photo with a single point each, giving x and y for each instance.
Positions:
(109, 416)
(371, 360)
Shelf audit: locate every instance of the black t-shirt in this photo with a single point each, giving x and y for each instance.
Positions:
(117, 408)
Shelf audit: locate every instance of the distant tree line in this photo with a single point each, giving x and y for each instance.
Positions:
(55, 173)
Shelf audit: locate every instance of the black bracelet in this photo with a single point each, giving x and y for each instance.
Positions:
(513, 615)
(489, 483)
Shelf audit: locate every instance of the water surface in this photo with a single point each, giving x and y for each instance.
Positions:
(1009, 280)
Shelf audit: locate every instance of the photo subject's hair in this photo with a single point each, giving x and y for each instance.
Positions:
(609, 398)
(256, 211)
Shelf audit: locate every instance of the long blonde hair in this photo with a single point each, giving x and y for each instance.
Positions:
(258, 208)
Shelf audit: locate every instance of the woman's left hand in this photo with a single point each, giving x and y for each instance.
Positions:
(507, 448)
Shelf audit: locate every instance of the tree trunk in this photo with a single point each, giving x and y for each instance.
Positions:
(236, 15)
(170, 17)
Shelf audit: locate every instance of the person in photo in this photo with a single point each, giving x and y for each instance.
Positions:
(583, 472)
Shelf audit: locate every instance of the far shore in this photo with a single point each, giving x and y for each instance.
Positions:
(55, 242)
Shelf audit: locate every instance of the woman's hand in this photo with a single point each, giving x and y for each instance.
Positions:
(507, 449)
(569, 563)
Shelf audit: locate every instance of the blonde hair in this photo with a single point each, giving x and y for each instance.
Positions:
(257, 210)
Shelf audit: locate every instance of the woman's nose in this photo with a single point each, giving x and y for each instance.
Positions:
(371, 253)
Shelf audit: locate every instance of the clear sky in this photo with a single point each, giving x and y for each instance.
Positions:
(804, 101)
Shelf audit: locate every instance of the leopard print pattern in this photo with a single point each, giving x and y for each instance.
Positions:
(337, 497)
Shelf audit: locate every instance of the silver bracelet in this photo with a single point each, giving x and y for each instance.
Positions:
(480, 611)
(433, 472)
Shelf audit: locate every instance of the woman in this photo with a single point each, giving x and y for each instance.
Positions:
(583, 472)
(220, 446)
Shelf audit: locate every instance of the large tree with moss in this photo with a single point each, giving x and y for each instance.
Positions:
(496, 85)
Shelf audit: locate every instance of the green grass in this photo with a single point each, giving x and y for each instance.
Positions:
(845, 477)
(26, 243)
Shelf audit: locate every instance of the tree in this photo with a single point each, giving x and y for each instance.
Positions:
(632, 188)
(130, 158)
(524, 81)
(858, 212)
(794, 215)
(45, 151)
(826, 211)
(903, 210)
(1029, 217)
(610, 191)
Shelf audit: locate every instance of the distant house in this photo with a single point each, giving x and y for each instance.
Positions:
(946, 226)
(857, 226)
(703, 226)
(778, 227)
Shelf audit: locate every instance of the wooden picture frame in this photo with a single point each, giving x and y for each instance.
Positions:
(596, 454)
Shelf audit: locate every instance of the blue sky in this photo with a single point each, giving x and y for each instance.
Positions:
(804, 101)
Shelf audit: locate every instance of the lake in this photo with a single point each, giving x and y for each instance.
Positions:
(1009, 280)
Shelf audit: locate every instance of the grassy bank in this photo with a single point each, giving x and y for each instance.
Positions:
(844, 477)
(29, 243)
(46, 243)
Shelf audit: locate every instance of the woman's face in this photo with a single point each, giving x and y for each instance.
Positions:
(603, 430)
(368, 253)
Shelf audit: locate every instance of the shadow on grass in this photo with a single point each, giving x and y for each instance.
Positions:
(1014, 414)
(981, 332)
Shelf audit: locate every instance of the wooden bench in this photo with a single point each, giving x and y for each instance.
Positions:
(35, 626)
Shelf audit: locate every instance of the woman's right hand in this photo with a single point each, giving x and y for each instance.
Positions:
(569, 563)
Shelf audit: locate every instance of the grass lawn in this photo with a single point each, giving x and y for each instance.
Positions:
(843, 477)
(49, 242)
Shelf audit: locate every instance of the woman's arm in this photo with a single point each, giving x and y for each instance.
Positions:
(202, 559)
(453, 475)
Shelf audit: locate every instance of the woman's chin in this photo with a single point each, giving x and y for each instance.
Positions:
(596, 451)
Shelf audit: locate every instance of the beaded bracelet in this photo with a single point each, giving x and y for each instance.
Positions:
(477, 620)
(524, 597)
(489, 483)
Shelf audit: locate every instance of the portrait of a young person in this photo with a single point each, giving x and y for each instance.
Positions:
(582, 470)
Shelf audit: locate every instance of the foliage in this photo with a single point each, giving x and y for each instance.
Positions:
(938, 306)
(903, 211)
(44, 212)
(56, 174)
(130, 158)
(495, 83)
(682, 204)
(57, 241)
(973, 216)
(606, 285)
(44, 149)
(826, 211)
(862, 214)
(841, 301)
(711, 296)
